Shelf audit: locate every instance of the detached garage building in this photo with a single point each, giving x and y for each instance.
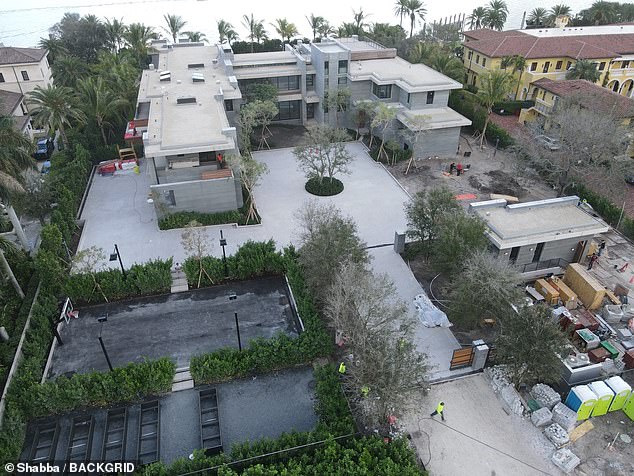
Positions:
(545, 235)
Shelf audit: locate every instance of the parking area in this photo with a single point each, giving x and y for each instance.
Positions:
(176, 325)
(172, 426)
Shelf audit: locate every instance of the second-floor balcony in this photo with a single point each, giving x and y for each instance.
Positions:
(543, 107)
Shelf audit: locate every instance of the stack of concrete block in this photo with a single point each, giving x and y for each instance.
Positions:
(557, 434)
(545, 395)
(565, 460)
(498, 377)
(542, 417)
(513, 400)
(564, 416)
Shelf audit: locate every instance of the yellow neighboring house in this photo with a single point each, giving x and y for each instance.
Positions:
(550, 52)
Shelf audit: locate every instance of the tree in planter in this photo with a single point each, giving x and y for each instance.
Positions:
(592, 150)
(469, 304)
(387, 375)
(327, 239)
(251, 171)
(256, 114)
(338, 101)
(383, 117)
(324, 155)
(459, 236)
(197, 245)
(529, 344)
(424, 213)
(494, 87)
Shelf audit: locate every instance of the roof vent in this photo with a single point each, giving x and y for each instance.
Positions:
(186, 100)
(165, 76)
(198, 78)
(196, 65)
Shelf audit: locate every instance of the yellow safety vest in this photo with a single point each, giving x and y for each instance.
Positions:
(440, 408)
(342, 368)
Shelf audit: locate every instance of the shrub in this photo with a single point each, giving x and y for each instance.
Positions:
(325, 188)
(181, 219)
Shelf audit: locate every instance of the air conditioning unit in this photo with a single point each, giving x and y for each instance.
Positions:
(576, 361)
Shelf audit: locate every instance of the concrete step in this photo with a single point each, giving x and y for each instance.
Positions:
(184, 385)
(179, 288)
(182, 376)
(179, 281)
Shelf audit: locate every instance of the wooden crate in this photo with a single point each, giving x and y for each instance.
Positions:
(567, 295)
(544, 288)
(587, 288)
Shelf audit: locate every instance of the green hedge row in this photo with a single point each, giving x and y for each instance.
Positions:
(467, 104)
(182, 219)
(153, 277)
(279, 352)
(512, 107)
(398, 154)
(604, 207)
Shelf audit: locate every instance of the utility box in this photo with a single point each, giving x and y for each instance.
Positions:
(399, 241)
(480, 354)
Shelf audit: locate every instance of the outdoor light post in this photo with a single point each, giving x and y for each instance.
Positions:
(223, 243)
(116, 255)
(233, 297)
(101, 320)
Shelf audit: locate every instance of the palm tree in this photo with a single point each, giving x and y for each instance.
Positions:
(399, 10)
(537, 17)
(518, 62)
(175, 25)
(260, 33)
(584, 69)
(255, 27)
(416, 11)
(359, 22)
(558, 10)
(477, 18)
(448, 65)
(602, 12)
(285, 29)
(138, 38)
(115, 30)
(99, 103)
(422, 52)
(15, 158)
(315, 23)
(54, 106)
(226, 32)
(54, 46)
(494, 87)
(196, 36)
(325, 29)
(495, 15)
(67, 70)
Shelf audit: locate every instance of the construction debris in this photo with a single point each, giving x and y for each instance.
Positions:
(565, 460)
(564, 416)
(501, 384)
(545, 395)
(542, 417)
(557, 435)
(581, 430)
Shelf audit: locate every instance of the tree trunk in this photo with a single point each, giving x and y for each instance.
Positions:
(519, 83)
(62, 132)
(103, 133)
(17, 226)
(10, 275)
(484, 130)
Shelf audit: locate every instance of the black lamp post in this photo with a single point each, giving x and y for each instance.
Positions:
(101, 320)
(223, 243)
(233, 297)
(116, 255)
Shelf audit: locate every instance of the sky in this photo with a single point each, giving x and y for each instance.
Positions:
(23, 22)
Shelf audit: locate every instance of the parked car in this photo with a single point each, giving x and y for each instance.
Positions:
(44, 149)
(548, 142)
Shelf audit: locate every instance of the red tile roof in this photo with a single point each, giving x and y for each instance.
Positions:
(595, 96)
(499, 44)
(10, 55)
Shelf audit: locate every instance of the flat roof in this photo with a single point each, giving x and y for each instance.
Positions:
(187, 128)
(536, 222)
(354, 44)
(407, 76)
(433, 118)
(267, 71)
(244, 59)
(329, 47)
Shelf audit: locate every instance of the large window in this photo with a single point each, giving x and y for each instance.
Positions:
(534, 66)
(286, 83)
(558, 65)
(310, 110)
(288, 110)
(310, 82)
(228, 105)
(343, 66)
(382, 92)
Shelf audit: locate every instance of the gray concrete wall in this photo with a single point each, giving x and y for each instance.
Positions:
(204, 196)
(563, 249)
(442, 142)
(419, 100)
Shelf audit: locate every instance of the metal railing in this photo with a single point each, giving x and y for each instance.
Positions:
(551, 263)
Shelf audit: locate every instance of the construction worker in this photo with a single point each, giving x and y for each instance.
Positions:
(342, 368)
(439, 411)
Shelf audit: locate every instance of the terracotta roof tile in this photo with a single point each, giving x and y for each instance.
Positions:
(601, 99)
(8, 102)
(10, 55)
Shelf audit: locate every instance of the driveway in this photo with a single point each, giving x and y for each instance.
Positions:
(117, 211)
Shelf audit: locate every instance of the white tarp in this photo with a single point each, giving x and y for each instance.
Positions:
(429, 314)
